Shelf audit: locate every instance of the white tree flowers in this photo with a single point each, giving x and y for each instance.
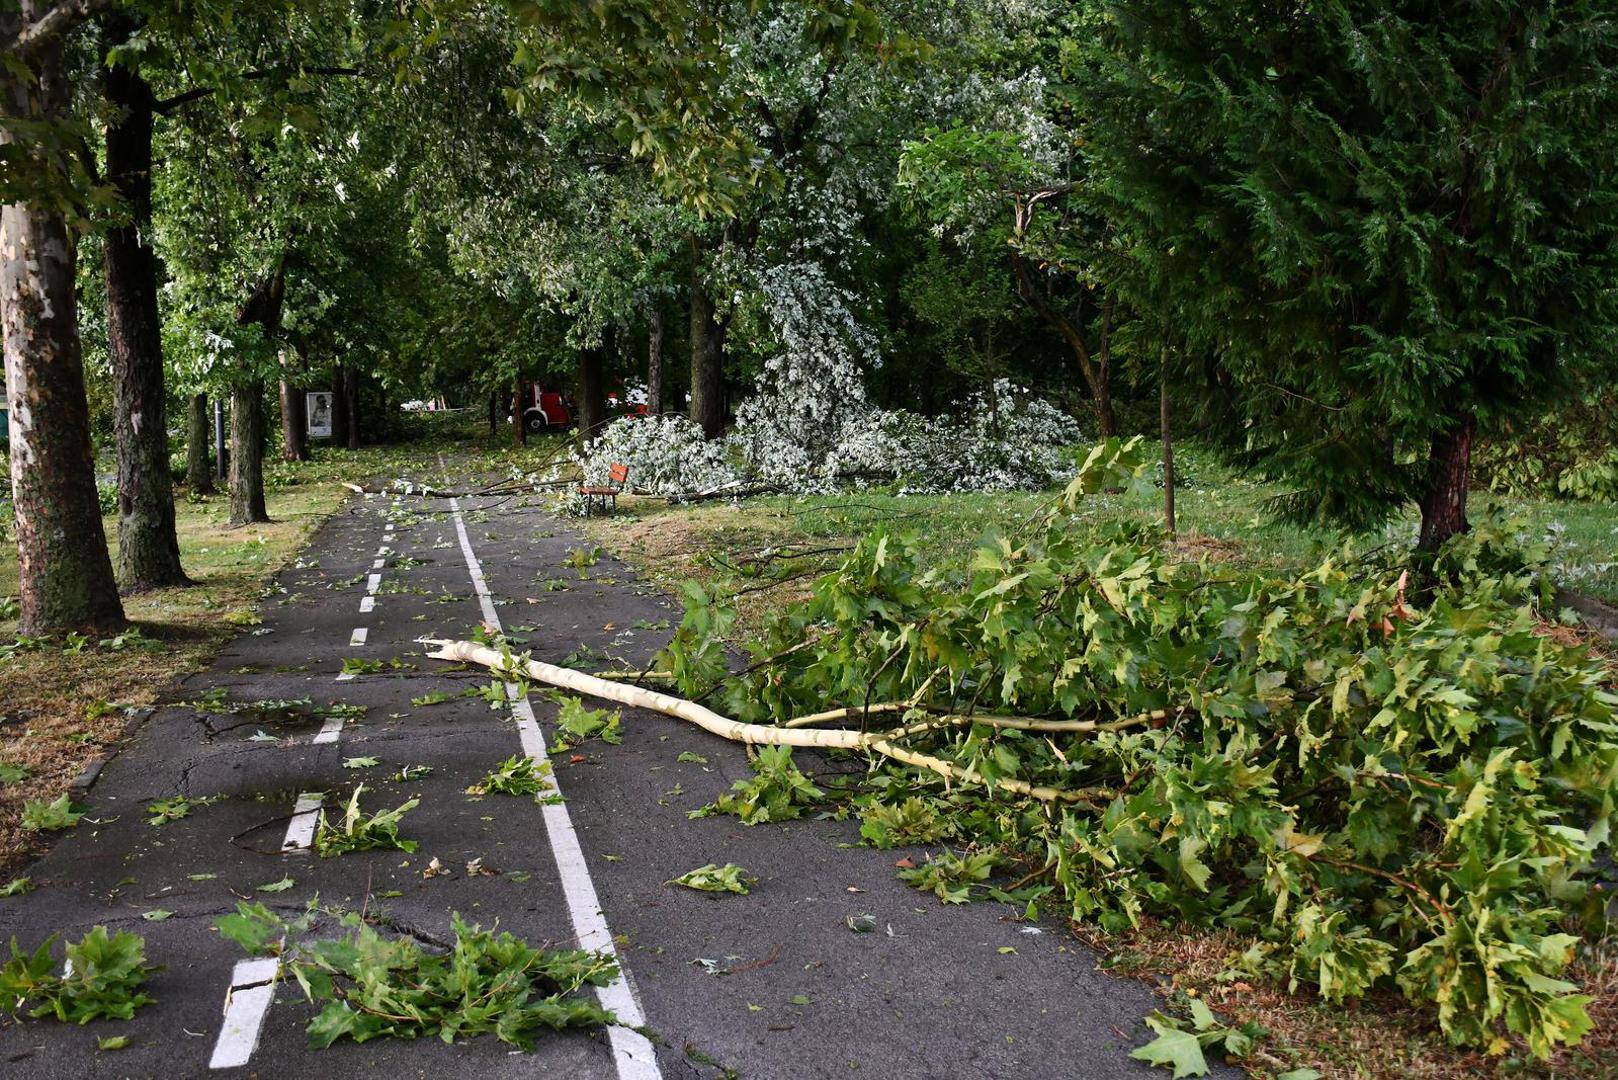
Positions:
(809, 426)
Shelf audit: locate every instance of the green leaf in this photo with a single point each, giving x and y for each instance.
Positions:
(112, 1042)
(41, 816)
(17, 886)
(1174, 1049)
(157, 915)
(277, 886)
(710, 878)
(361, 763)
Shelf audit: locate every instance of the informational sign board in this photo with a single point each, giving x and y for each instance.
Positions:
(319, 405)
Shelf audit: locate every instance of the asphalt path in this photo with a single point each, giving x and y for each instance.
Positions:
(773, 984)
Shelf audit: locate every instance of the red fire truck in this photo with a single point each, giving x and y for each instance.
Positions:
(545, 409)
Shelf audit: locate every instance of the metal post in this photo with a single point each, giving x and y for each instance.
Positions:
(219, 435)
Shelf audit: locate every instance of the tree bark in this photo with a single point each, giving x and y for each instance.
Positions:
(339, 409)
(294, 424)
(247, 406)
(654, 362)
(592, 386)
(1167, 432)
(65, 578)
(198, 458)
(1443, 506)
(247, 454)
(494, 413)
(351, 404)
(707, 354)
(148, 547)
(519, 423)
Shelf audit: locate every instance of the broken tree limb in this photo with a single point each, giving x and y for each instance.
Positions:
(639, 697)
(425, 491)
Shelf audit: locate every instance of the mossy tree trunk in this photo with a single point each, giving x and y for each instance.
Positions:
(148, 548)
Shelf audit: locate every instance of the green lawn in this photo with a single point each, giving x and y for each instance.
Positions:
(1222, 516)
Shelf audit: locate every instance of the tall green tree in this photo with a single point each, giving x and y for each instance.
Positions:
(1387, 227)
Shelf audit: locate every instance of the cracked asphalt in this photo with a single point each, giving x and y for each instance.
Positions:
(930, 993)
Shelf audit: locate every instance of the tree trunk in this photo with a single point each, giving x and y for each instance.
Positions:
(65, 578)
(707, 354)
(148, 548)
(247, 454)
(1167, 432)
(494, 413)
(351, 404)
(592, 392)
(654, 363)
(1443, 507)
(519, 422)
(198, 458)
(294, 424)
(339, 409)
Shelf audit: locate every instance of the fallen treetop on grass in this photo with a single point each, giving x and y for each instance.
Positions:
(1383, 790)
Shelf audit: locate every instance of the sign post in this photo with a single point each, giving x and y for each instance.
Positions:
(318, 408)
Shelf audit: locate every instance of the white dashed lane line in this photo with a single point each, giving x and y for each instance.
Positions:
(252, 988)
(301, 829)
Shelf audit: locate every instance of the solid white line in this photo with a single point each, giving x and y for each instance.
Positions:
(329, 731)
(632, 1052)
(533, 742)
(367, 604)
(372, 583)
(252, 988)
(359, 636)
(305, 815)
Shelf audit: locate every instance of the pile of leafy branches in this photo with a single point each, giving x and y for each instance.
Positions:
(371, 986)
(101, 980)
(1385, 790)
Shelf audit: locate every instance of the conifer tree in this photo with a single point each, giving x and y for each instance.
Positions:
(1387, 228)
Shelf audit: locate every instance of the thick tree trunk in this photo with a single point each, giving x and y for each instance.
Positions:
(707, 354)
(65, 577)
(351, 404)
(1167, 432)
(294, 424)
(519, 422)
(148, 548)
(247, 406)
(494, 413)
(1443, 507)
(592, 392)
(339, 409)
(654, 363)
(247, 454)
(198, 458)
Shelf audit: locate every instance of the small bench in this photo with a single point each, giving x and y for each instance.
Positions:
(606, 497)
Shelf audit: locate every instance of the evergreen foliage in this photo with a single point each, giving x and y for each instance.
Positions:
(1378, 226)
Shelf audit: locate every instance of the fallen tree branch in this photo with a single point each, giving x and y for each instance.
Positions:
(639, 697)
